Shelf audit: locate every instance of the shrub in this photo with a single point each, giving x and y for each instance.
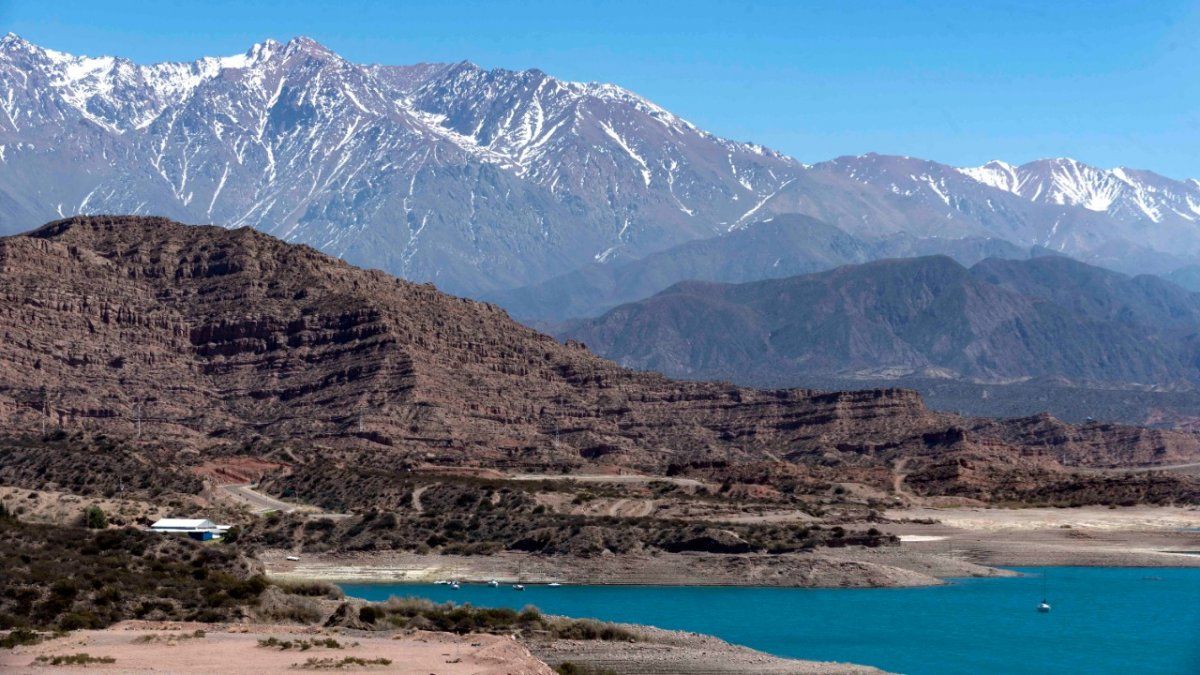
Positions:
(276, 605)
(94, 518)
(81, 659)
(302, 645)
(312, 589)
(422, 614)
(71, 578)
(345, 662)
(20, 637)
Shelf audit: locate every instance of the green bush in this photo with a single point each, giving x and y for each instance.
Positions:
(94, 518)
(312, 589)
(447, 617)
(20, 637)
(71, 578)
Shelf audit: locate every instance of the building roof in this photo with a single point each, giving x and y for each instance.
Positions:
(184, 524)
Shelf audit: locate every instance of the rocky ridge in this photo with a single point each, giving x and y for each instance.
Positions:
(202, 338)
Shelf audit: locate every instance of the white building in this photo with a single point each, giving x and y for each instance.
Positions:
(196, 528)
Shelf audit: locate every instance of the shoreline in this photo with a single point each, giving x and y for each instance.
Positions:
(872, 568)
(936, 544)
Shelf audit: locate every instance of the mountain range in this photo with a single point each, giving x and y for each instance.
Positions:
(774, 247)
(1047, 319)
(208, 341)
(486, 181)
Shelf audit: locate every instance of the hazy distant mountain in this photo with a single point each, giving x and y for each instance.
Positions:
(1062, 219)
(1000, 321)
(485, 180)
(1161, 210)
(1187, 277)
(778, 246)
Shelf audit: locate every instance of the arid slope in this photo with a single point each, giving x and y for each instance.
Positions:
(200, 337)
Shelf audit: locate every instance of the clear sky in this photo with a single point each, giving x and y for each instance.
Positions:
(1108, 82)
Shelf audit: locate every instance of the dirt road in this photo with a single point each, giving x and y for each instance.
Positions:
(610, 478)
(258, 502)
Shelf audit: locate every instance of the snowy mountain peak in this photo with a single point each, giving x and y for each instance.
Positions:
(11, 39)
(996, 173)
(116, 93)
(449, 172)
(1127, 194)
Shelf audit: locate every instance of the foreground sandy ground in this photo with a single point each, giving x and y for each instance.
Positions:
(235, 649)
(171, 647)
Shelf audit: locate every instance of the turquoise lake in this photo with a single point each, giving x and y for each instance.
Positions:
(1104, 620)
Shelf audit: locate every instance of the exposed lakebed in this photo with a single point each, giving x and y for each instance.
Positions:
(1104, 619)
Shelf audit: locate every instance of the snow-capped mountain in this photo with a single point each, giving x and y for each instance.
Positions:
(1133, 221)
(1164, 207)
(474, 179)
(481, 180)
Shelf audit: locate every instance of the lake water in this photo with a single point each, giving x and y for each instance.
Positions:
(1104, 620)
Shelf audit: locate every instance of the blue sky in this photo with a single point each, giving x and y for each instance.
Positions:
(1107, 82)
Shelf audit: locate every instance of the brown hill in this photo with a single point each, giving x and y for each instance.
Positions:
(201, 337)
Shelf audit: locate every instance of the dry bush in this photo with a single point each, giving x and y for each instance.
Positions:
(277, 605)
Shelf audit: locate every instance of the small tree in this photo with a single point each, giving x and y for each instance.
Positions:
(94, 518)
(232, 535)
